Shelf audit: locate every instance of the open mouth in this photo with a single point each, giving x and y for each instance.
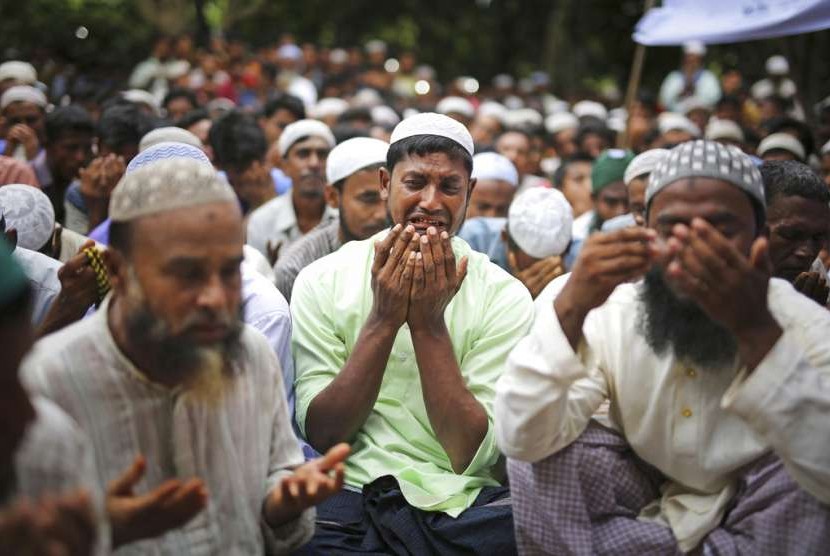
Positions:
(423, 223)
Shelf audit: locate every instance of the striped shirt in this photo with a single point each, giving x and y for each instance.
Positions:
(322, 241)
(240, 446)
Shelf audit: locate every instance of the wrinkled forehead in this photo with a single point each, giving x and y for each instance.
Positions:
(701, 197)
(439, 164)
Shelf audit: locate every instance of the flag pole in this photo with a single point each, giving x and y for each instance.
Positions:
(623, 139)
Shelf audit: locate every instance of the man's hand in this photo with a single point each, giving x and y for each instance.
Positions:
(730, 288)
(79, 290)
(168, 506)
(813, 286)
(61, 525)
(539, 274)
(310, 484)
(21, 134)
(392, 271)
(101, 176)
(255, 185)
(436, 281)
(606, 261)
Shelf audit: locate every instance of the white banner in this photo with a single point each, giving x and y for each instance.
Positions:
(726, 21)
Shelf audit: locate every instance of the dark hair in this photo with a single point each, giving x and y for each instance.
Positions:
(180, 92)
(355, 115)
(513, 130)
(68, 119)
(788, 178)
(345, 132)
(422, 145)
(595, 127)
(121, 237)
(237, 141)
(781, 124)
(729, 100)
(124, 124)
(338, 185)
(559, 174)
(192, 117)
(284, 102)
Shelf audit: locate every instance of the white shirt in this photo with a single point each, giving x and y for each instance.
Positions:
(697, 426)
(42, 272)
(276, 222)
(241, 446)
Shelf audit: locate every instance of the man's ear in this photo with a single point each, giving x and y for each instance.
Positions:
(332, 196)
(473, 182)
(116, 265)
(385, 182)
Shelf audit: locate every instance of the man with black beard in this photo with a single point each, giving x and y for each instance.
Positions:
(164, 370)
(304, 147)
(715, 375)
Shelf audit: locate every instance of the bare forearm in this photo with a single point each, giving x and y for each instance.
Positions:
(338, 412)
(459, 421)
(571, 318)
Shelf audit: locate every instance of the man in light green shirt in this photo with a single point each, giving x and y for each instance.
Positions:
(398, 342)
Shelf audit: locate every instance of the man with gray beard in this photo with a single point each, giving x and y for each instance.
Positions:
(715, 376)
(166, 371)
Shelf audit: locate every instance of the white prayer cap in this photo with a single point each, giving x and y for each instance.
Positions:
(503, 81)
(352, 155)
(692, 103)
(777, 65)
(140, 96)
(554, 105)
(539, 221)
(301, 129)
(456, 105)
(221, 105)
(289, 52)
(492, 109)
(167, 150)
(22, 72)
(524, 118)
(375, 45)
(28, 210)
(385, 116)
(430, 123)
(169, 134)
(591, 108)
(644, 163)
(616, 123)
(176, 68)
(409, 112)
(826, 148)
(367, 98)
(694, 47)
(23, 93)
(512, 102)
(328, 107)
(672, 121)
(784, 142)
(338, 56)
(304, 90)
(164, 185)
(493, 166)
(724, 129)
(560, 122)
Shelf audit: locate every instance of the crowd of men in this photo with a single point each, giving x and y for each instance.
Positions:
(314, 301)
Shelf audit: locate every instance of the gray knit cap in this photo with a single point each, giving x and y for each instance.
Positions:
(708, 159)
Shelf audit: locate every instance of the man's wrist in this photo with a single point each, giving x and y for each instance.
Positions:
(378, 324)
(756, 338)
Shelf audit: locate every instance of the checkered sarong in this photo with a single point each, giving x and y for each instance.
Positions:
(585, 499)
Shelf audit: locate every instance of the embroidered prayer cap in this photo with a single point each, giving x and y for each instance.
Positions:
(168, 134)
(493, 166)
(12, 278)
(164, 185)
(352, 155)
(539, 221)
(609, 168)
(28, 210)
(724, 129)
(560, 122)
(430, 123)
(456, 105)
(302, 129)
(643, 163)
(22, 72)
(167, 150)
(782, 142)
(708, 159)
(23, 93)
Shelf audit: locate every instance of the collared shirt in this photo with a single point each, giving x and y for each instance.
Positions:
(42, 272)
(276, 222)
(56, 458)
(321, 241)
(241, 445)
(698, 426)
(331, 302)
(706, 89)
